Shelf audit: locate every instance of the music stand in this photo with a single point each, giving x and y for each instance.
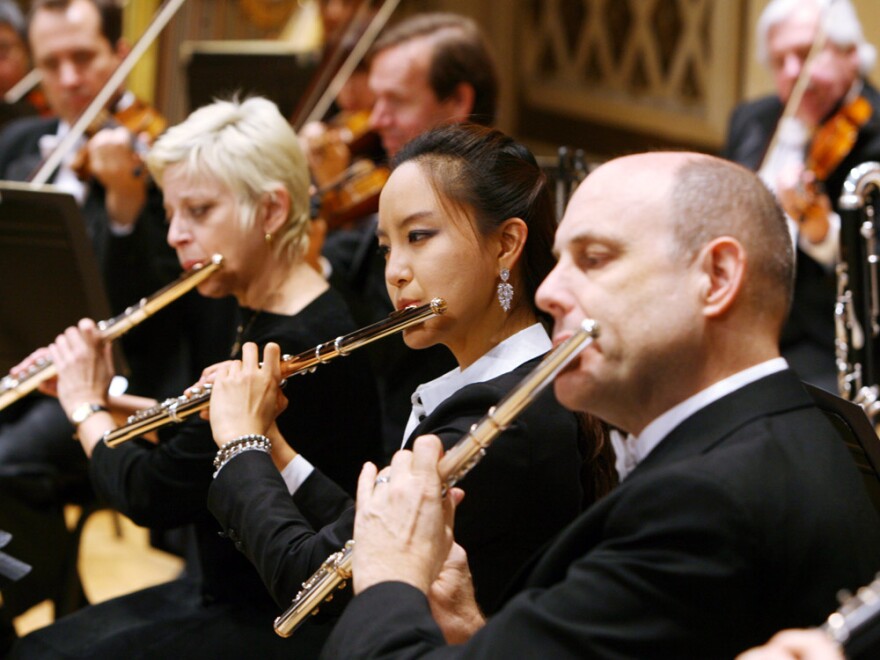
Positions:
(273, 69)
(49, 276)
(857, 432)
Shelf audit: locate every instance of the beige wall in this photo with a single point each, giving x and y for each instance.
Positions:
(757, 82)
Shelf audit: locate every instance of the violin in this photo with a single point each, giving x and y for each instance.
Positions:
(346, 196)
(353, 195)
(836, 137)
(330, 147)
(143, 121)
(353, 128)
(831, 144)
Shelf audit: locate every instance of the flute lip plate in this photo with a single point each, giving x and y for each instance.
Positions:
(591, 327)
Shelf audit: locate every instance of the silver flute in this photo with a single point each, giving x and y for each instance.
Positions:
(857, 616)
(454, 465)
(13, 388)
(195, 399)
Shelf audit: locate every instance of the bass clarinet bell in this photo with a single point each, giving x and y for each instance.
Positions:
(857, 309)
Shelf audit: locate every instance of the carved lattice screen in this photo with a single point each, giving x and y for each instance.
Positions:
(662, 68)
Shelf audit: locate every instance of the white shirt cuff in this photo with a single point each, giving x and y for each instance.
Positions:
(296, 472)
(121, 230)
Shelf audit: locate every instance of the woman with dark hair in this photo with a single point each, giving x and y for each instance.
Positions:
(465, 216)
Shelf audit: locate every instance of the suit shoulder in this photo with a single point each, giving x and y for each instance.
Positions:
(27, 128)
(21, 137)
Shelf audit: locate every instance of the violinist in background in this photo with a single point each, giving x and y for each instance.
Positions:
(807, 182)
(425, 71)
(77, 45)
(14, 61)
(329, 144)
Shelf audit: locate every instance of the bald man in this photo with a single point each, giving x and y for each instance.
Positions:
(740, 511)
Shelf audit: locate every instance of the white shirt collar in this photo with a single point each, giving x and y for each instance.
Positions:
(506, 356)
(632, 450)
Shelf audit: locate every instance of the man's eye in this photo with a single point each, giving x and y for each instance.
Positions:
(49, 65)
(83, 58)
(591, 259)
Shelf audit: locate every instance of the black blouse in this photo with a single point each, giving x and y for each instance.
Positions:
(332, 415)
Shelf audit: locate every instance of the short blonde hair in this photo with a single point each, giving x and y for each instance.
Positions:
(249, 147)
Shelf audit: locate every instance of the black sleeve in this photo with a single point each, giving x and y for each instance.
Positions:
(639, 592)
(503, 519)
(159, 486)
(251, 502)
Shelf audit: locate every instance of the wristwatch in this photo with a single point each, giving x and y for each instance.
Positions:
(83, 411)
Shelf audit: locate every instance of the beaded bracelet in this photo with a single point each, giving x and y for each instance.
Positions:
(243, 443)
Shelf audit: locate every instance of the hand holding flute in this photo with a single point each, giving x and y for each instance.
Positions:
(85, 368)
(246, 398)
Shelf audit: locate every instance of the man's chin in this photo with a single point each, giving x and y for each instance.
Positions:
(571, 391)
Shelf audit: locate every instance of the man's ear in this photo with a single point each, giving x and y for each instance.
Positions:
(512, 235)
(722, 270)
(460, 104)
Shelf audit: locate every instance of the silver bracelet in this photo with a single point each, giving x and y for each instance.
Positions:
(243, 443)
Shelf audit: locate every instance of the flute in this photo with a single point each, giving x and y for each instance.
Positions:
(13, 388)
(454, 465)
(195, 399)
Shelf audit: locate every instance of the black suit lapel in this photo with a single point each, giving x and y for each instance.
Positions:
(774, 394)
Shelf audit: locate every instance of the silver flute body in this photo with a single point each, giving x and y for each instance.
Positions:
(857, 308)
(13, 388)
(454, 465)
(855, 621)
(195, 399)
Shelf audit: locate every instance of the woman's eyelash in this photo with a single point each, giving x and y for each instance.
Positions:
(420, 234)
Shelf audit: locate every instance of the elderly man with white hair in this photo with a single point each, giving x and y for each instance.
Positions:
(783, 151)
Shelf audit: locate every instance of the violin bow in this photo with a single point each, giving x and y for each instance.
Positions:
(351, 62)
(803, 80)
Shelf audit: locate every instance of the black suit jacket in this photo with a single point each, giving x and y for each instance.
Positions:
(746, 519)
(503, 520)
(808, 337)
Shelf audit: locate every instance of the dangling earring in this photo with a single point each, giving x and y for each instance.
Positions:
(505, 290)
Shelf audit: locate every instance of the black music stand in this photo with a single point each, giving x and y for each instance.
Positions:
(219, 69)
(857, 432)
(49, 276)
